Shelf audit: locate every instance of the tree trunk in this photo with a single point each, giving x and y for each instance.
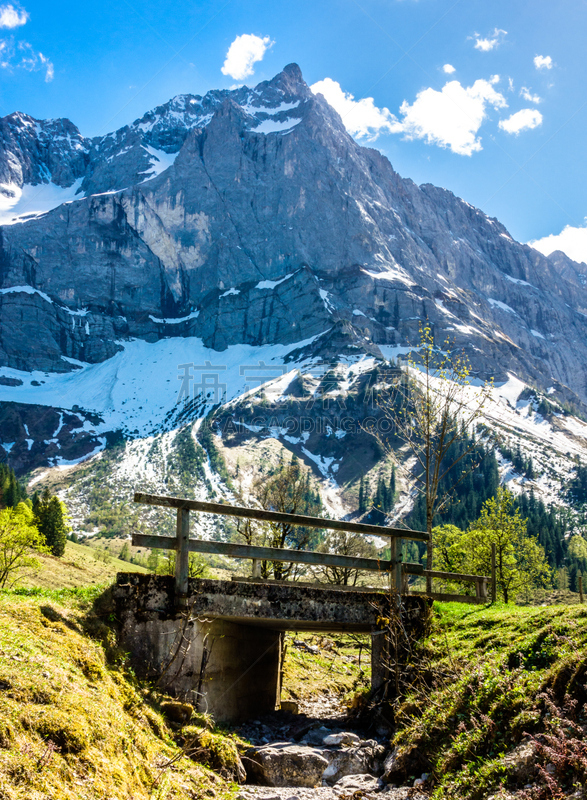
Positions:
(429, 553)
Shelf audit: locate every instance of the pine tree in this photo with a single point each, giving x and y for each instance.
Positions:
(56, 528)
(362, 496)
(50, 518)
(390, 499)
(12, 491)
(379, 501)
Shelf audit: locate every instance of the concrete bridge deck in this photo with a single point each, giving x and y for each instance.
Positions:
(224, 654)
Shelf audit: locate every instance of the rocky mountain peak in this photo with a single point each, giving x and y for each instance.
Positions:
(249, 217)
(290, 80)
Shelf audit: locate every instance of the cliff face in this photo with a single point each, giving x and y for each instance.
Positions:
(250, 217)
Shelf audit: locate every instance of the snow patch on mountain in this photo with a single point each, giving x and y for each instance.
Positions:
(498, 304)
(160, 161)
(272, 284)
(276, 126)
(136, 389)
(25, 290)
(32, 201)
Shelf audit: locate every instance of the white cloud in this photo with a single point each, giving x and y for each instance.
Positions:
(362, 118)
(24, 56)
(49, 68)
(452, 117)
(543, 62)
(490, 42)
(523, 120)
(572, 241)
(528, 96)
(11, 17)
(449, 69)
(243, 53)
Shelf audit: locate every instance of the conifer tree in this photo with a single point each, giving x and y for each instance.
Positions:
(56, 527)
(392, 489)
(50, 518)
(380, 495)
(11, 490)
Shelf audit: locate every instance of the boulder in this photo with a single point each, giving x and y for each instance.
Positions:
(395, 764)
(315, 736)
(336, 739)
(364, 783)
(350, 761)
(519, 762)
(286, 764)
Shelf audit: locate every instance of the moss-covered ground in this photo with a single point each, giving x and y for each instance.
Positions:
(75, 724)
(79, 566)
(493, 678)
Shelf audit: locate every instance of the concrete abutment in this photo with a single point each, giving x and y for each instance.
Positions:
(224, 655)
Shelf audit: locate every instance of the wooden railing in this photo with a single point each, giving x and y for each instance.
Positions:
(481, 584)
(183, 545)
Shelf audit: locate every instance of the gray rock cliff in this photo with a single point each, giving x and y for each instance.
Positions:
(251, 216)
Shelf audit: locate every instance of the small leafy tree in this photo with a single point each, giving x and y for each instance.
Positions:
(288, 490)
(578, 547)
(197, 565)
(20, 541)
(124, 554)
(520, 560)
(431, 408)
(450, 552)
(153, 560)
(345, 544)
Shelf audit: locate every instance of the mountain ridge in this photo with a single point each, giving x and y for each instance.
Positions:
(265, 227)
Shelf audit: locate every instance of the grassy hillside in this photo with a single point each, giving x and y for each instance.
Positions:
(320, 668)
(80, 566)
(74, 725)
(492, 679)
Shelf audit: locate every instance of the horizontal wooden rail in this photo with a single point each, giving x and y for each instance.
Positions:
(446, 576)
(453, 598)
(413, 569)
(265, 553)
(277, 516)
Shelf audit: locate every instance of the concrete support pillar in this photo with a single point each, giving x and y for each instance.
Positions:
(379, 659)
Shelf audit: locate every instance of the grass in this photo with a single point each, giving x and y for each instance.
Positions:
(335, 669)
(74, 724)
(80, 565)
(495, 676)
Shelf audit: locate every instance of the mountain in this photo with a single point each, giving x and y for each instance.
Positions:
(244, 227)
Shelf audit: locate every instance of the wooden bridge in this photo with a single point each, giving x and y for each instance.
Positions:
(396, 570)
(218, 643)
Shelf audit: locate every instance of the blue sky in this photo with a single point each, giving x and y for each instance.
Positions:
(504, 128)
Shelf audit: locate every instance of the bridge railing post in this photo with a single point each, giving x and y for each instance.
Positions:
(481, 588)
(182, 555)
(395, 558)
